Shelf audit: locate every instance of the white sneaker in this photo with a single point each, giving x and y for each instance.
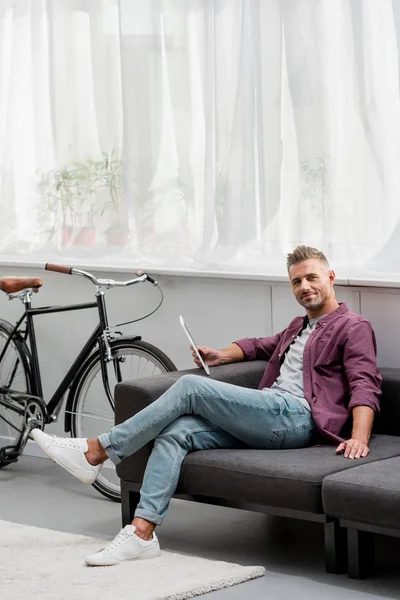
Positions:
(68, 453)
(125, 546)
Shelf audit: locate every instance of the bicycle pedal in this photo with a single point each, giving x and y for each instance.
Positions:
(7, 453)
(9, 460)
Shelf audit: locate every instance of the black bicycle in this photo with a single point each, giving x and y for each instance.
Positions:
(107, 357)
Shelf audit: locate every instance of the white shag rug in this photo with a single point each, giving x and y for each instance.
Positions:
(48, 564)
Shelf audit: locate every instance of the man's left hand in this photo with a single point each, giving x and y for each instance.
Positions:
(353, 449)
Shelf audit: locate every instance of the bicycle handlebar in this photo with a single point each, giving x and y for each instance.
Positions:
(141, 276)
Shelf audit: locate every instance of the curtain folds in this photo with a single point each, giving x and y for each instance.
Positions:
(201, 134)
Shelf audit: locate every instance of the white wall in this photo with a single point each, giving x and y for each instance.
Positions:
(218, 311)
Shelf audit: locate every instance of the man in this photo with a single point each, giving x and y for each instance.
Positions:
(321, 378)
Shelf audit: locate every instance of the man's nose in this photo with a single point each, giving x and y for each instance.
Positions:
(304, 285)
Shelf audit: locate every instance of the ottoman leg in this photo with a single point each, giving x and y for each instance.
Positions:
(360, 545)
(335, 547)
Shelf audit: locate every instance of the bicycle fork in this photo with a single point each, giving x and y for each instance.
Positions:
(105, 358)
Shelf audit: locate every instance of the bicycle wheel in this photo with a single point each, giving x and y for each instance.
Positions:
(91, 410)
(14, 374)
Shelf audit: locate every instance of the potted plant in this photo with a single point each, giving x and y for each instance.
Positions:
(87, 182)
(69, 200)
(117, 234)
(315, 184)
(57, 203)
(74, 196)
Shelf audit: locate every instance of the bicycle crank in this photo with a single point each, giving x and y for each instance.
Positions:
(35, 415)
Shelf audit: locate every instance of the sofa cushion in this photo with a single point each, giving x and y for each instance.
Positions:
(289, 479)
(367, 494)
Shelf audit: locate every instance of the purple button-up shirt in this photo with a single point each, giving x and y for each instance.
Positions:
(339, 367)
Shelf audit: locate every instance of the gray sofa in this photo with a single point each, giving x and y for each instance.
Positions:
(312, 483)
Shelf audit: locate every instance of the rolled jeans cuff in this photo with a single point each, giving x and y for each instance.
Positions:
(108, 449)
(149, 516)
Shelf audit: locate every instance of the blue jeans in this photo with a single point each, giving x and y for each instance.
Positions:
(198, 413)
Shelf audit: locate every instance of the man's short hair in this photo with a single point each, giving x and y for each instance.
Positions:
(304, 253)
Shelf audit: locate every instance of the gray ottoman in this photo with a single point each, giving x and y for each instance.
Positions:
(366, 500)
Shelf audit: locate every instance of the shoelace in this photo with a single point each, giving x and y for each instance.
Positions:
(117, 541)
(68, 442)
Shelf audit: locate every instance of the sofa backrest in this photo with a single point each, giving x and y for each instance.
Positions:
(389, 420)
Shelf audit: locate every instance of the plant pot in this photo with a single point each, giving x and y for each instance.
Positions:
(85, 236)
(66, 235)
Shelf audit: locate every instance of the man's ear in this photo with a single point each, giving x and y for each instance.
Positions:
(332, 276)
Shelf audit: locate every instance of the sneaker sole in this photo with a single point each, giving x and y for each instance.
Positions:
(143, 556)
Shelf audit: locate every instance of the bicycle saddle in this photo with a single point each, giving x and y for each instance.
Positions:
(10, 285)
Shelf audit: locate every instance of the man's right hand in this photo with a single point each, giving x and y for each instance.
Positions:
(210, 356)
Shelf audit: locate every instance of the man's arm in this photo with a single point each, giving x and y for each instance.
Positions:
(245, 349)
(359, 359)
(357, 446)
(213, 358)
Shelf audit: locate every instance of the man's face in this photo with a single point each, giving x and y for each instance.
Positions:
(312, 284)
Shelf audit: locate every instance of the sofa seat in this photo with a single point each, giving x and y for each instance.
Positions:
(288, 479)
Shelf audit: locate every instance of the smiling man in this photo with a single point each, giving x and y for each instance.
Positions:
(321, 384)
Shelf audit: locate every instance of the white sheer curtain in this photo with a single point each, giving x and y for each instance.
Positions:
(60, 127)
(201, 134)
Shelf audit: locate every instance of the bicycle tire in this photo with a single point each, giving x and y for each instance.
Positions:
(21, 380)
(108, 483)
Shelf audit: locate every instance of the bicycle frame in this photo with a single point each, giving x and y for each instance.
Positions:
(97, 337)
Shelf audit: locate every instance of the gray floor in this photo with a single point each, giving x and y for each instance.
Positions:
(37, 492)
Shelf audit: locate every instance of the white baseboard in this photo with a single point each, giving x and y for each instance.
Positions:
(31, 449)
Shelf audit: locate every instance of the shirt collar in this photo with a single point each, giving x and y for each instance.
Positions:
(342, 308)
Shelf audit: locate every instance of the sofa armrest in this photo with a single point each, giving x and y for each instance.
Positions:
(133, 396)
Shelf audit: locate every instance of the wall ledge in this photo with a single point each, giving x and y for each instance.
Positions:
(392, 281)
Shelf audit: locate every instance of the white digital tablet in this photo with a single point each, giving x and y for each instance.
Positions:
(193, 343)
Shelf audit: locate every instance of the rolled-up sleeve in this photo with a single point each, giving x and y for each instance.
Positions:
(359, 361)
(259, 348)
